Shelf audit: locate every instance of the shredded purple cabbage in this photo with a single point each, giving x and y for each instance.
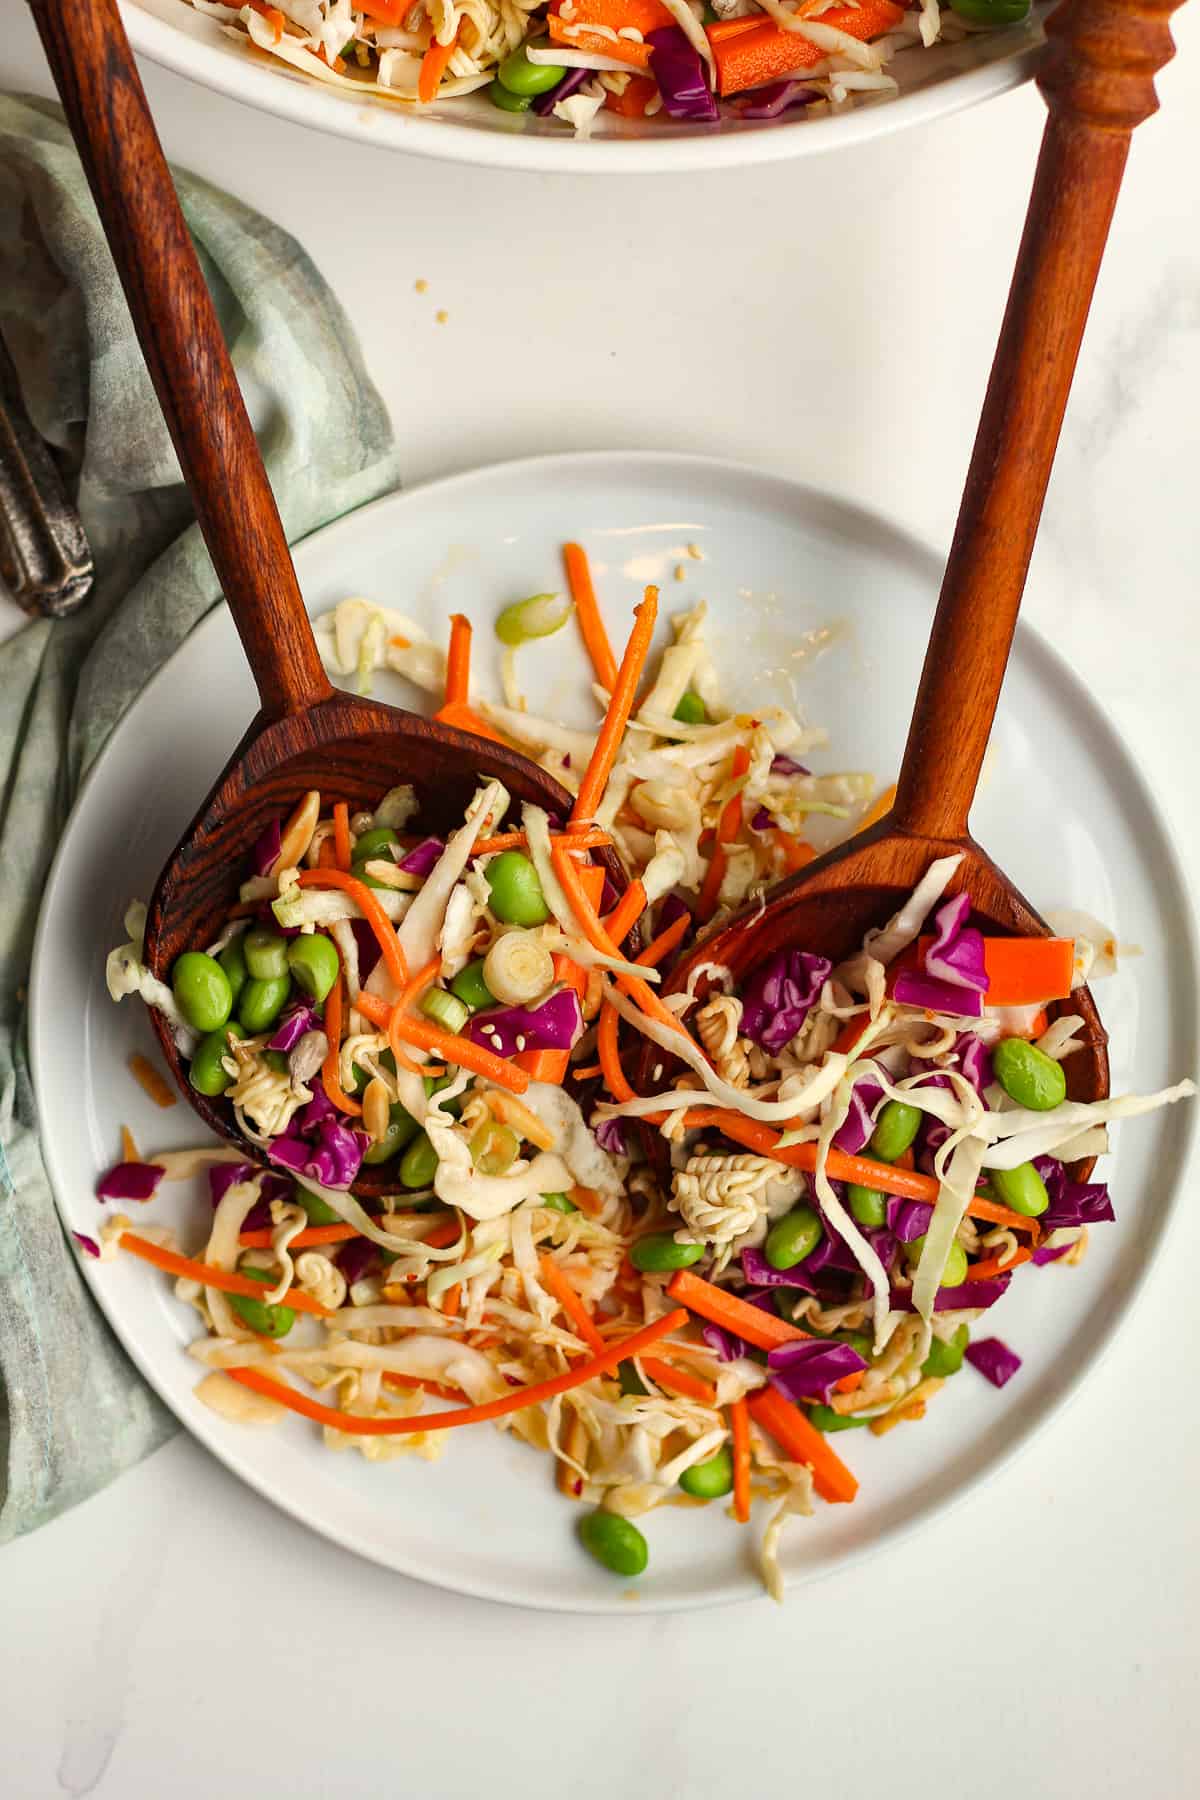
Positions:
(787, 765)
(681, 76)
(728, 1347)
(956, 953)
(367, 944)
(610, 1135)
(264, 853)
(129, 1181)
(855, 1130)
(762, 820)
(544, 104)
(357, 1258)
(222, 1176)
(779, 996)
(1071, 1202)
(810, 1368)
(770, 101)
(912, 988)
(993, 1359)
(1045, 1253)
(295, 1021)
(423, 857)
(87, 1244)
(908, 1219)
(974, 1060)
(555, 1024)
(958, 1299)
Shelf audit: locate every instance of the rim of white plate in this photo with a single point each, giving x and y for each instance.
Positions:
(457, 138)
(1074, 695)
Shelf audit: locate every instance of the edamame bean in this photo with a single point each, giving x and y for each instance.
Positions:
(868, 1206)
(825, 1419)
(418, 1166)
(991, 12)
(500, 96)
(658, 1252)
(319, 1211)
(709, 1480)
(1021, 1190)
(857, 1340)
(895, 1129)
(268, 1321)
(470, 987)
(402, 1129)
(557, 1203)
(434, 1085)
(691, 710)
(792, 1238)
(520, 76)
(233, 960)
(261, 1003)
(954, 1269)
(314, 963)
(615, 1542)
(205, 1072)
(631, 1382)
(373, 843)
(266, 953)
(517, 896)
(202, 991)
(277, 1060)
(1028, 1075)
(362, 1077)
(946, 1358)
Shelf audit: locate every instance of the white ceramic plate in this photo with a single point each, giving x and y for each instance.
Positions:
(1063, 810)
(933, 83)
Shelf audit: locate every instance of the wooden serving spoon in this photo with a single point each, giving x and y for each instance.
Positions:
(306, 735)
(1097, 77)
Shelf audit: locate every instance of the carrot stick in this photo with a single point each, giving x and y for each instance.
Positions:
(450, 1302)
(626, 913)
(150, 1081)
(174, 1264)
(591, 624)
(1022, 971)
(608, 742)
(465, 718)
(304, 1240)
(460, 1051)
(882, 806)
(574, 37)
(795, 1434)
(408, 994)
(766, 1331)
(728, 826)
(341, 835)
(765, 52)
(331, 1078)
(795, 852)
(551, 1065)
(998, 1265)
(633, 102)
(608, 1023)
(371, 910)
(469, 1415)
(682, 1380)
(434, 64)
(516, 840)
(556, 1282)
(568, 873)
(458, 660)
(739, 1423)
(850, 1033)
(129, 1149)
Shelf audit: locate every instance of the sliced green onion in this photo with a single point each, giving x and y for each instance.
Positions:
(518, 968)
(538, 617)
(446, 1010)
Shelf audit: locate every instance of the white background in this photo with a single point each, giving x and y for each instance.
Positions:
(833, 320)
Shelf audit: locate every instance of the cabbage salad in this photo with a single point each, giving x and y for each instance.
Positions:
(569, 60)
(453, 1207)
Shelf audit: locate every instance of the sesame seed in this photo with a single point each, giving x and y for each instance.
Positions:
(520, 1043)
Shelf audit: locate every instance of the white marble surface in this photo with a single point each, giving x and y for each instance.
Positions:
(172, 1636)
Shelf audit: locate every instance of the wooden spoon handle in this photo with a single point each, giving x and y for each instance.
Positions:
(1098, 81)
(177, 327)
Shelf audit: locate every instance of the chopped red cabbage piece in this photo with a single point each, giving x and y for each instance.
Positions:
(974, 1060)
(265, 851)
(908, 1219)
(296, 1020)
(993, 1359)
(811, 1368)
(787, 765)
(856, 1128)
(728, 1347)
(423, 857)
(87, 1244)
(610, 1135)
(779, 996)
(554, 1024)
(958, 1299)
(357, 1258)
(956, 953)
(1071, 1202)
(222, 1176)
(544, 105)
(1046, 1253)
(912, 988)
(681, 76)
(129, 1181)
(769, 102)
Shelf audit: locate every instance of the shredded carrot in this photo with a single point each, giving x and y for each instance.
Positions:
(796, 853)
(341, 835)
(608, 1023)
(331, 1079)
(129, 1149)
(766, 1331)
(633, 102)
(400, 643)
(271, 14)
(728, 826)
(591, 839)
(666, 941)
(998, 1265)
(381, 1013)
(881, 808)
(327, 854)
(371, 910)
(465, 718)
(626, 913)
(533, 1395)
(304, 1240)
(417, 1382)
(451, 1300)
(762, 51)
(587, 1200)
(551, 1065)
(608, 742)
(691, 1386)
(586, 1071)
(591, 624)
(174, 1264)
(795, 1433)
(556, 1282)
(150, 1081)
(434, 64)
(458, 660)
(568, 873)
(408, 995)
(849, 1035)
(459, 1051)
(739, 1426)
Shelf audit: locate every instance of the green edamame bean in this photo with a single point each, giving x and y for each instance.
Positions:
(709, 1480)
(557, 1203)
(319, 1211)
(631, 1382)
(517, 896)
(895, 1129)
(314, 963)
(261, 1003)
(658, 1252)
(825, 1419)
(202, 991)
(857, 1340)
(470, 987)
(419, 1163)
(434, 1085)
(1028, 1075)
(277, 1060)
(615, 1542)
(991, 12)
(691, 710)
(520, 76)
(402, 1129)
(205, 1072)
(868, 1206)
(268, 1321)
(373, 843)
(792, 1238)
(507, 101)
(946, 1358)
(954, 1269)
(266, 953)
(1021, 1190)
(785, 1300)
(233, 960)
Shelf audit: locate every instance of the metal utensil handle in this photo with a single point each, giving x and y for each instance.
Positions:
(45, 559)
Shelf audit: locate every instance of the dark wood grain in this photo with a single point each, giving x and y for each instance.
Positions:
(1098, 80)
(307, 736)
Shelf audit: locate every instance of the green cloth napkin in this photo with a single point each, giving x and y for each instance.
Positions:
(73, 1412)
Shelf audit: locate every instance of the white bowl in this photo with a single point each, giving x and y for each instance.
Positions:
(933, 83)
